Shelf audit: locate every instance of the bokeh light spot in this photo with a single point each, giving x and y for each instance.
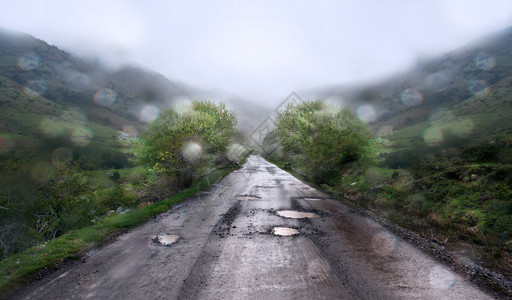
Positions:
(462, 127)
(149, 113)
(330, 107)
(105, 97)
(484, 61)
(81, 136)
(411, 97)
(61, 157)
(182, 106)
(383, 243)
(191, 151)
(51, 127)
(35, 88)
(366, 113)
(478, 87)
(441, 115)
(28, 61)
(433, 136)
(42, 171)
(441, 278)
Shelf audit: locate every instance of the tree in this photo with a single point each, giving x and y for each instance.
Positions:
(323, 139)
(177, 144)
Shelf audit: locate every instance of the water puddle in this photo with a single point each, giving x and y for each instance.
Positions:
(311, 199)
(165, 239)
(293, 214)
(285, 231)
(248, 197)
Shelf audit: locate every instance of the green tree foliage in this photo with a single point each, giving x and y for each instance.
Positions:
(323, 139)
(178, 144)
(17, 196)
(62, 203)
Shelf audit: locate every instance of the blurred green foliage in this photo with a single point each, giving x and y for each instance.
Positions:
(179, 144)
(324, 140)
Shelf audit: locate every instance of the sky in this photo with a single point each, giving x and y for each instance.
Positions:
(260, 50)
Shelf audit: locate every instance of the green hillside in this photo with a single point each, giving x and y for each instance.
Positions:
(445, 169)
(66, 130)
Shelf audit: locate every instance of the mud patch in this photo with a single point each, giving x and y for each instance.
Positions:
(284, 231)
(248, 197)
(294, 214)
(165, 239)
(223, 226)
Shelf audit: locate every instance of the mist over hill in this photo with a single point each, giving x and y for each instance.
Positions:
(477, 75)
(49, 94)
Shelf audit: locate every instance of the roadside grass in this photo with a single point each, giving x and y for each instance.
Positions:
(454, 193)
(15, 268)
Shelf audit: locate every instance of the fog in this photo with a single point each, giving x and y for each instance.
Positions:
(260, 50)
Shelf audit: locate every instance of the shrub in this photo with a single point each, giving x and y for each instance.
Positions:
(62, 202)
(175, 145)
(325, 140)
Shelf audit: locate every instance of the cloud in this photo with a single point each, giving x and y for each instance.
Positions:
(260, 50)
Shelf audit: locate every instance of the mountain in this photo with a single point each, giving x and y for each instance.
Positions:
(469, 84)
(49, 98)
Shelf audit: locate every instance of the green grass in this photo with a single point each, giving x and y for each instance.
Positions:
(15, 268)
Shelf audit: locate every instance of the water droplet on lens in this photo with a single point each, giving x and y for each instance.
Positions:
(484, 61)
(105, 97)
(28, 61)
(366, 113)
(441, 278)
(191, 151)
(411, 97)
(149, 113)
(433, 136)
(478, 87)
(35, 88)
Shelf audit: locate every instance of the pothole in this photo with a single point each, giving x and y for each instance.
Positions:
(293, 214)
(285, 231)
(309, 198)
(248, 197)
(165, 239)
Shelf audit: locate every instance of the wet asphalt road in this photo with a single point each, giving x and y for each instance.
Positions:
(227, 250)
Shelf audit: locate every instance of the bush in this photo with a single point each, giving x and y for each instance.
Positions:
(62, 203)
(177, 143)
(325, 141)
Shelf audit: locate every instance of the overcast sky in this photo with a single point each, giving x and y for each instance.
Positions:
(260, 50)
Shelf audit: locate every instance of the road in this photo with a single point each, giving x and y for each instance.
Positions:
(227, 249)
